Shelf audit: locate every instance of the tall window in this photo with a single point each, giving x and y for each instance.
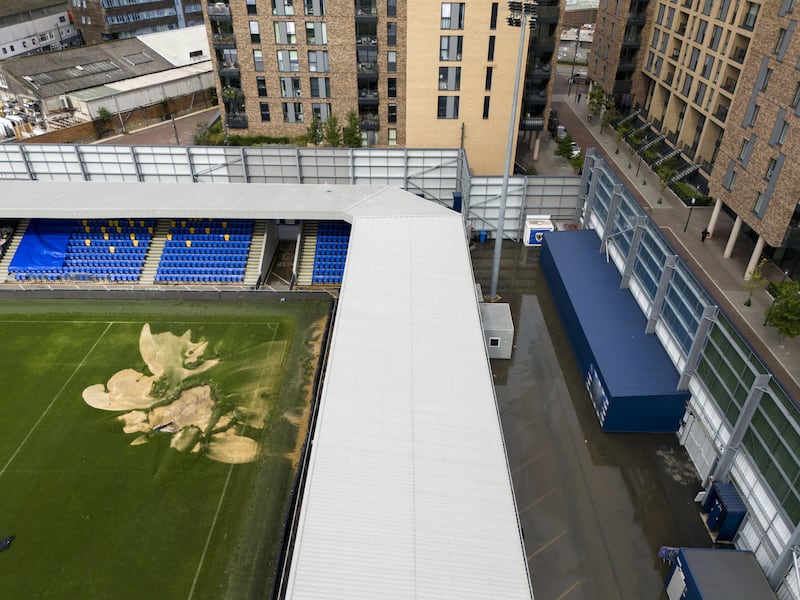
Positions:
(255, 35)
(261, 85)
(796, 98)
(320, 87)
(782, 133)
(283, 7)
(391, 8)
(754, 116)
(264, 107)
(321, 110)
(391, 87)
(749, 21)
(760, 206)
(447, 107)
(292, 112)
(770, 169)
(488, 85)
(287, 61)
(391, 33)
(315, 8)
(493, 19)
(450, 47)
(716, 35)
(391, 61)
(486, 106)
(490, 53)
(285, 32)
(449, 78)
(393, 137)
(290, 87)
(392, 113)
(452, 15)
(258, 60)
(318, 61)
(251, 7)
(316, 33)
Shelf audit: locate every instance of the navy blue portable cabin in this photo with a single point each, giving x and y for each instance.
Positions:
(725, 511)
(709, 574)
(629, 377)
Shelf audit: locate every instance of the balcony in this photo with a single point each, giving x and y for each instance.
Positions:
(541, 71)
(636, 18)
(729, 85)
(236, 121)
(366, 40)
(548, 13)
(531, 123)
(230, 93)
(622, 86)
(370, 122)
(721, 113)
(228, 69)
(367, 70)
(536, 97)
(367, 97)
(626, 65)
(681, 29)
(669, 78)
(632, 41)
(223, 40)
(676, 54)
(542, 41)
(739, 54)
(219, 12)
(366, 11)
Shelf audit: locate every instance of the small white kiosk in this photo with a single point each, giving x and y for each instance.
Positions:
(498, 329)
(535, 227)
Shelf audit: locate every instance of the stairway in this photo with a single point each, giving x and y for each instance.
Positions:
(651, 143)
(157, 243)
(258, 241)
(308, 250)
(684, 173)
(22, 227)
(629, 117)
(666, 157)
(633, 132)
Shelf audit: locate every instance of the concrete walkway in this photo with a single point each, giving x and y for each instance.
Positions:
(723, 277)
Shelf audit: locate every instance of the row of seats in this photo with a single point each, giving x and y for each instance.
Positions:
(195, 264)
(71, 263)
(78, 244)
(330, 253)
(201, 271)
(199, 278)
(169, 244)
(206, 237)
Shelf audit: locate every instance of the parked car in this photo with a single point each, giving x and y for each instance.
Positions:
(575, 150)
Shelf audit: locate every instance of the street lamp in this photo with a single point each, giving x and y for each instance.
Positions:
(691, 208)
(519, 14)
(574, 59)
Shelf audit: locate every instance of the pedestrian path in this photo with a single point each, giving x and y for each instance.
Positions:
(683, 227)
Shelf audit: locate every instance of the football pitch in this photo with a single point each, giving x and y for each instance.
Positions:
(148, 448)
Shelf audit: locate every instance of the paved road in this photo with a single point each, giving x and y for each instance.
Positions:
(163, 134)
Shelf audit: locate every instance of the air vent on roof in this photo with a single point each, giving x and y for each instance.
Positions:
(79, 67)
(138, 58)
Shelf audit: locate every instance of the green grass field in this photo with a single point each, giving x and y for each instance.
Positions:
(97, 517)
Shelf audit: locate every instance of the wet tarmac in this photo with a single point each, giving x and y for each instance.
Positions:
(595, 507)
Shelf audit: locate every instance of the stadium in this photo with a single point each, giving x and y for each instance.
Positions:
(348, 274)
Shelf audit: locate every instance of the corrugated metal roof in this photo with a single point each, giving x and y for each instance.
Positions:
(408, 493)
(145, 81)
(175, 45)
(726, 574)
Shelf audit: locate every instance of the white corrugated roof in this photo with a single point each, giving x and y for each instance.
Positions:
(408, 492)
(176, 44)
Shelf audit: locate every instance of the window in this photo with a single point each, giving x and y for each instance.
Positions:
(754, 116)
(452, 15)
(787, 6)
(261, 85)
(264, 108)
(765, 81)
(693, 60)
(760, 206)
(493, 19)
(770, 169)
(321, 110)
(450, 78)
(700, 94)
(315, 8)
(391, 87)
(292, 112)
(447, 107)
(290, 87)
(392, 113)
(287, 61)
(670, 18)
(391, 33)
(664, 42)
(708, 66)
(488, 85)
(489, 54)
(316, 33)
(784, 129)
(654, 41)
(779, 42)
(486, 106)
(796, 98)
(716, 35)
(701, 31)
(743, 149)
(731, 181)
(660, 17)
(320, 87)
(749, 21)
(251, 7)
(258, 60)
(255, 36)
(391, 8)
(318, 61)
(393, 137)
(391, 61)
(494, 342)
(282, 7)
(687, 85)
(285, 32)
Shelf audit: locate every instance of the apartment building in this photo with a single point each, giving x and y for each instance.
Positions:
(34, 26)
(417, 73)
(104, 20)
(718, 80)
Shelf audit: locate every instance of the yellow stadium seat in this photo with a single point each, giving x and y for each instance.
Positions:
(87, 242)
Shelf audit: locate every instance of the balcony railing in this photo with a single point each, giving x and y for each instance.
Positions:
(368, 67)
(232, 93)
(227, 40)
(370, 123)
(366, 8)
(217, 10)
(729, 86)
(236, 121)
(366, 40)
(229, 69)
(739, 54)
(721, 113)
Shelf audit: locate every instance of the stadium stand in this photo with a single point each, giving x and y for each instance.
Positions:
(91, 249)
(333, 238)
(205, 251)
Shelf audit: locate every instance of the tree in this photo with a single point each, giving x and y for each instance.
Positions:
(757, 281)
(332, 132)
(564, 147)
(609, 115)
(315, 131)
(351, 133)
(597, 98)
(784, 314)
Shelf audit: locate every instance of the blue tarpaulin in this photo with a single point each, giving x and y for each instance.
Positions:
(43, 247)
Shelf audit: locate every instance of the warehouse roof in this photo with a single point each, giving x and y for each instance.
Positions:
(408, 490)
(725, 574)
(16, 7)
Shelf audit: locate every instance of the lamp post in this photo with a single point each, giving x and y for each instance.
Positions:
(769, 311)
(639, 164)
(574, 59)
(691, 208)
(519, 14)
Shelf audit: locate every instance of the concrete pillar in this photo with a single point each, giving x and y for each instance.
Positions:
(536, 147)
(712, 222)
(737, 225)
(754, 257)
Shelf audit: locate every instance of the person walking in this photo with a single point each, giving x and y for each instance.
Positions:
(703, 235)
(579, 98)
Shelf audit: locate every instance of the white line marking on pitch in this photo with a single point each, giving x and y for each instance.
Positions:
(547, 544)
(53, 401)
(224, 492)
